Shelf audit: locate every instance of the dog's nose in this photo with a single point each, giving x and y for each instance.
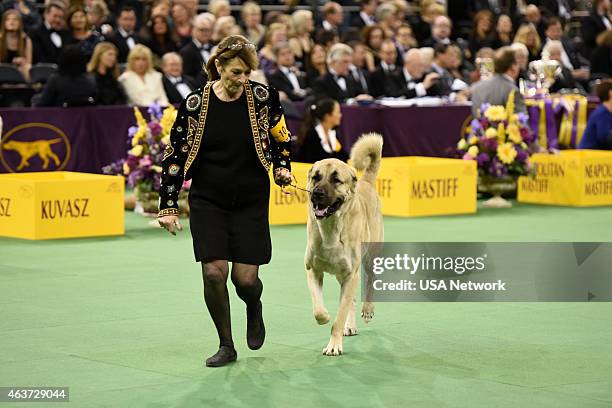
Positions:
(317, 193)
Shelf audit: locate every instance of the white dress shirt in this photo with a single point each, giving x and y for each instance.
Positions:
(328, 142)
(129, 40)
(418, 87)
(204, 52)
(339, 80)
(292, 78)
(56, 39)
(180, 86)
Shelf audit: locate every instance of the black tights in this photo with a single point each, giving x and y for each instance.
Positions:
(248, 288)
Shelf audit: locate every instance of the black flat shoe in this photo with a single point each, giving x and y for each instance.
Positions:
(224, 356)
(256, 331)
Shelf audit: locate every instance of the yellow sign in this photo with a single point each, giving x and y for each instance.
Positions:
(48, 205)
(578, 178)
(290, 205)
(421, 186)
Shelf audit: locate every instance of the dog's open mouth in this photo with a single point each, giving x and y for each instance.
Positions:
(322, 211)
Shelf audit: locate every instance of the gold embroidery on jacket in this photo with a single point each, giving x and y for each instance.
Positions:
(254, 125)
(263, 120)
(192, 126)
(169, 151)
(193, 152)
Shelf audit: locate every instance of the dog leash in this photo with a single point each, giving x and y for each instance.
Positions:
(294, 185)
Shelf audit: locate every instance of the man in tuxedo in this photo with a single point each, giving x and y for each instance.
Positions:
(365, 18)
(197, 52)
(176, 85)
(124, 37)
(287, 78)
(596, 23)
(569, 58)
(386, 70)
(497, 89)
(338, 84)
(409, 82)
(534, 16)
(332, 17)
(444, 56)
(556, 8)
(440, 32)
(50, 37)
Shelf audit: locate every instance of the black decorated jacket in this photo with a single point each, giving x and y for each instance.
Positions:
(270, 135)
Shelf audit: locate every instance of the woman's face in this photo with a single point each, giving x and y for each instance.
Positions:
(252, 19)
(376, 39)
(108, 58)
(78, 21)
(159, 26)
(278, 36)
(335, 116)
(484, 24)
(179, 13)
(141, 65)
(309, 25)
(530, 38)
(359, 55)
(233, 75)
(504, 24)
(318, 55)
(11, 23)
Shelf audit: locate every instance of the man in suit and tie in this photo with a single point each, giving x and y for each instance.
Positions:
(50, 37)
(409, 82)
(124, 37)
(287, 78)
(569, 57)
(365, 18)
(386, 70)
(176, 85)
(197, 52)
(441, 30)
(338, 84)
(444, 56)
(332, 17)
(497, 89)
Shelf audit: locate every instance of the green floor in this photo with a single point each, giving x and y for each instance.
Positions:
(121, 321)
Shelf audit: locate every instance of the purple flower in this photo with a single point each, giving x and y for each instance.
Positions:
(484, 107)
(156, 181)
(521, 155)
(482, 159)
(132, 161)
(489, 144)
(155, 111)
(475, 124)
(145, 162)
(523, 118)
(497, 169)
(156, 128)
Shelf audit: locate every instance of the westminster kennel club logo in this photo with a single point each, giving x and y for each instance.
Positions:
(34, 147)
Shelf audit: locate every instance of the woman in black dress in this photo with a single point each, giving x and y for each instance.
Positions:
(104, 69)
(317, 139)
(226, 137)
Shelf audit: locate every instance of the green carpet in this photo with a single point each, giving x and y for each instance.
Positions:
(122, 322)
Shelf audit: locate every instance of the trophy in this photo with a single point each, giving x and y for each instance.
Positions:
(485, 67)
(544, 72)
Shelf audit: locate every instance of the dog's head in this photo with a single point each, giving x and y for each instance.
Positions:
(331, 184)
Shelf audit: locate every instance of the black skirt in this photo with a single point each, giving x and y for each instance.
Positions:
(230, 190)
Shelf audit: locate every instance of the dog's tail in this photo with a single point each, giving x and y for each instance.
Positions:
(366, 154)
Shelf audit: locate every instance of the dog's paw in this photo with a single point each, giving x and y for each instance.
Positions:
(322, 316)
(350, 331)
(367, 311)
(334, 347)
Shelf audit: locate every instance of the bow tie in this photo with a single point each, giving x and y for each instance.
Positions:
(204, 47)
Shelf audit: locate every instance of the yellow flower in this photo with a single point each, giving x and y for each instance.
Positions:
(126, 169)
(506, 153)
(473, 140)
(166, 139)
(136, 150)
(473, 151)
(491, 133)
(156, 169)
(142, 131)
(524, 145)
(514, 134)
(168, 118)
(140, 120)
(462, 145)
(501, 133)
(496, 113)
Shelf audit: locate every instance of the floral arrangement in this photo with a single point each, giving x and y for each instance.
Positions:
(143, 165)
(500, 141)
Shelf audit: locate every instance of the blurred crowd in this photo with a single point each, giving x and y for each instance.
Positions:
(74, 53)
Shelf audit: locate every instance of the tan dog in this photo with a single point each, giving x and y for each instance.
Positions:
(27, 150)
(343, 213)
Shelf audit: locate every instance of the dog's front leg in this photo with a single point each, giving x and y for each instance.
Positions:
(350, 326)
(315, 285)
(334, 347)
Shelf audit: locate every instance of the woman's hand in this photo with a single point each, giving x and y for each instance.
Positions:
(170, 223)
(282, 176)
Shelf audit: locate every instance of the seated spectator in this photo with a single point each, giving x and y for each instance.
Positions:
(337, 83)
(276, 34)
(124, 37)
(534, 17)
(142, 84)
(287, 78)
(362, 66)
(97, 16)
(482, 32)
(444, 60)
(79, 31)
(565, 80)
(365, 18)
(497, 89)
(570, 59)
(224, 26)
(50, 37)
(197, 52)
(105, 71)
(597, 22)
(326, 38)
(386, 70)
(316, 64)
(219, 8)
(411, 81)
(459, 74)
(386, 18)
(521, 54)
(27, 11)
(301, 43)
(15, 45)
(182, 23)
(440, 32)
(332, 17)
(424, 25)
(503, 32)
(598, 132)
(252, 28)
(601, 57)
(176, 85)
(159, 37)
(527, 34)
(70, 86)
(404, 40)
(317, 138)
(373, 37)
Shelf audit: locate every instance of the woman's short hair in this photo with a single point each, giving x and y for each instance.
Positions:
(300, 17)
(232, 46)
(71, 12)
(100, 49)
(140, 51)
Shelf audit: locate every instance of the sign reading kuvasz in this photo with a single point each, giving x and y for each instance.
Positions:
(47, 205)
(578, 178)
(420, 186)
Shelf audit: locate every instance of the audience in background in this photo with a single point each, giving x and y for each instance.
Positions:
(103, 67)
(176, 85)
(317, 138)
(301, 42)
(79, 31)
(316, 64)
(125, 37)
(182, 22)
(601, 57)
(197, 52)
(276, 34)
(251, 25)
(143, 85)
(27, 10)
(503, 32)
(287, 79)
(483, 34)
(15, 45)
(527, 34)
(159, 37)
(598, 133)
(597, 22)
(49, 38)
(412, 82)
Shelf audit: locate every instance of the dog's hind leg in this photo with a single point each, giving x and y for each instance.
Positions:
(315, 286)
